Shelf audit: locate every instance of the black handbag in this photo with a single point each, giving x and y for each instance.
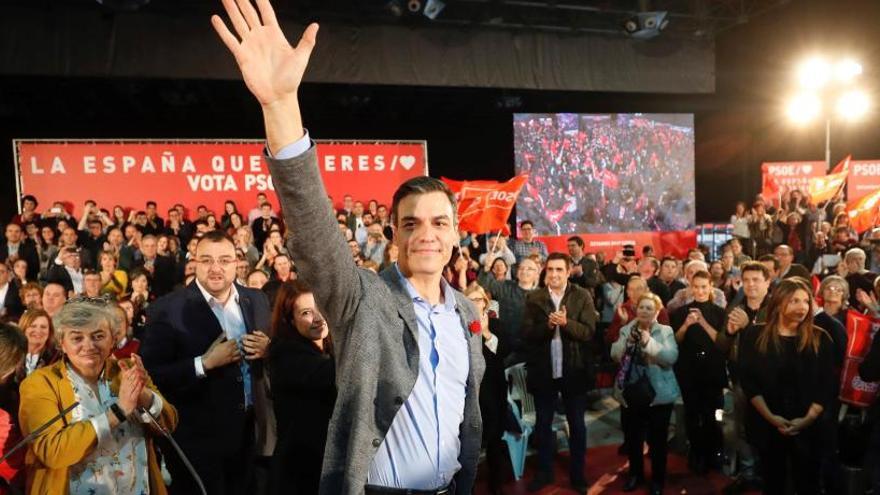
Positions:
(637, 388)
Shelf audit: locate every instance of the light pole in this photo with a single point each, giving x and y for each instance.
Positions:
(821, 85)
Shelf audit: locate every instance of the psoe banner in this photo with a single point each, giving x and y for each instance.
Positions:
(790, 175)
(674, 243)
(864, 178)
(129, 173)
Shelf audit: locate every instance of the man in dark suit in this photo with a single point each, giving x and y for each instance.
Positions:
(10, 301)
(68, 273)
(584, 270)
(17, 247)
(204, 347)
(161, 268)
(560, 320)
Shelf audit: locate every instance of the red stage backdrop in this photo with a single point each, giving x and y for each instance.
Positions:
(790, 175)
(864, 178)
(128, 173)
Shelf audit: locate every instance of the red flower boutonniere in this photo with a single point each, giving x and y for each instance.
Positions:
(475, 327)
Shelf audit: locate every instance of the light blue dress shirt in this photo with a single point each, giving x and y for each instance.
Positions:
(421, 448)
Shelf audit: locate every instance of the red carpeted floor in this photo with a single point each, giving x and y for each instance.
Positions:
(606, 472)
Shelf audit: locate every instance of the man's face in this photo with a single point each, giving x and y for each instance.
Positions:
(266, 211)
(95, 229)
(151, 210)
(114, 237)
(727, 260)
(354, 247)
(282, 266)
(347, 203)
(368, 219)
(53, 298)
(358, 209)
(575, 250)
(33, 298)
(241, 269)
(257, 280)
(736, 247)
(149, 247)
(13, 233)
(527, 272)
(668, 270)
(375, 231)
(71, 260)
(180, 211)
(646, 268)
(68, 237)
(215, 268)
(173, 216)
(425, 233)
(527, 232)
(785, 257)
(92, 285)
(29, 205)
(557, 274)
(202, 212)
(4, 274)
(382, 212)
(755, 286)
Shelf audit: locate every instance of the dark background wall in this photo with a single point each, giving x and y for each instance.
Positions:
(469, 130)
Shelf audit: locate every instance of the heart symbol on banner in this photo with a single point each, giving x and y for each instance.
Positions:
(407, 161)
(807, 169)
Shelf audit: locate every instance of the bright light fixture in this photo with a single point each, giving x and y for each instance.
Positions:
(853, 105)
(847, 70)
(814, 73)
(804, 107)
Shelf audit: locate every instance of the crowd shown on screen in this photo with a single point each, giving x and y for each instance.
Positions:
(764, 323)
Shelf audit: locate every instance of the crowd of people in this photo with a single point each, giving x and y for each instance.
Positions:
(363, 350)
(614, 173)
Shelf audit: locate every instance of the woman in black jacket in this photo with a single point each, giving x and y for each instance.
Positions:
(493, 389)
(302, 380)
(787, 372)
(701, 373)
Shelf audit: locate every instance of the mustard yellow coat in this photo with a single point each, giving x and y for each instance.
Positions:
(44, 394)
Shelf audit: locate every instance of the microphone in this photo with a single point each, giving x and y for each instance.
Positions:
(145, 415)
(34, 434)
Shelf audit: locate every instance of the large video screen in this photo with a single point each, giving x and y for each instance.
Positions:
(605, 173)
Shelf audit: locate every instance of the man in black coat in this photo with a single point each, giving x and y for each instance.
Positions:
(162, 268)
(10, 301)
(16, 246)
(203, 347)
(559, 323)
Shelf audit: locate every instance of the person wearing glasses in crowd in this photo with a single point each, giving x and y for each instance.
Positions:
(103, 445)
(204, 346)
(527, 245)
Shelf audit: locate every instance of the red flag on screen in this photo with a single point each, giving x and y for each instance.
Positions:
(864, 212)
(485, 205)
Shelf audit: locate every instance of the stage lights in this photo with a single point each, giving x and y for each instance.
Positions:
(826, 87)
(814, 73)
(804, 107)
(852, 105)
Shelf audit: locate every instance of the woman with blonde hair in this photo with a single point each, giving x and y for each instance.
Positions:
(787, 373)
(647, 352)
(40, 334)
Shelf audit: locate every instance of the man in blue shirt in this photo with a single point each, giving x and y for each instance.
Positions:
(408, 357)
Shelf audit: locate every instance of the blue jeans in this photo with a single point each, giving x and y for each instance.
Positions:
(575, 408)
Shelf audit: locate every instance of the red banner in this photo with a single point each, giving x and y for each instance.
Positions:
(864, 213)
(860, 331)
(788, 176)
(485, 205)
(864, 178)
(129, 173)
(664, 243)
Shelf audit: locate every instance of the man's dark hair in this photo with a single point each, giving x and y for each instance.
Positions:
(770, 257)
(526, 222)
(757, 266)
(199, 222)
(577, 240)
(647, 249)
(422, 185)
(218, 235)
(668, 258)
(559, 256)
(151, 203)
(201, 207)
(30, 197)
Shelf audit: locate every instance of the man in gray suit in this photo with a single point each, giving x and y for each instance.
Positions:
(407, 345)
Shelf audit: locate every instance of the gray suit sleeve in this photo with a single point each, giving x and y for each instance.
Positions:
(321, 255)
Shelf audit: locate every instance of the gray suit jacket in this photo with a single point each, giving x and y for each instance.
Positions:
(374, 331)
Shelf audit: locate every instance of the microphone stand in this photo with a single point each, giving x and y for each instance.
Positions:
(145, 414)
(34, 434)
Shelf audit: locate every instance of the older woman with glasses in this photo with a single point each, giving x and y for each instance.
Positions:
(834, 290)
(102, 445)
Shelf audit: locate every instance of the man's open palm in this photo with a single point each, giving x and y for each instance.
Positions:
(271, 67)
